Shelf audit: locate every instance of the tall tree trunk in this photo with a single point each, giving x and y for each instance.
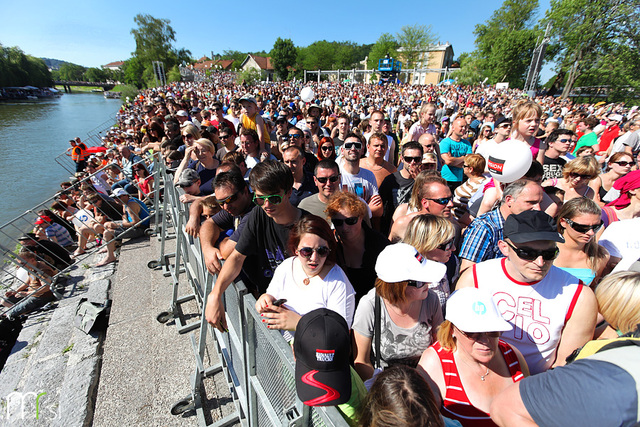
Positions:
(573, 75)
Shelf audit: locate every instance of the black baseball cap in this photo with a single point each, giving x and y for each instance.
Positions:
(322, 347)
(501, 120)
(529, 226)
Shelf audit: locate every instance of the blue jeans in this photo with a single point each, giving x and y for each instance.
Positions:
(28, 304)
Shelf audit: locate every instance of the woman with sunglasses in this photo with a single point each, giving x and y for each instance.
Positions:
(397, 320)
(326, 149)
(618, 166)
(144, 180)
(309, 280)
(470, 364)
(433, 237)
(579, 220)
(627, 205)
(576, 176)
(358, 244)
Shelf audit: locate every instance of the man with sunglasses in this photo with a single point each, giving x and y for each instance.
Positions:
(265, 236)
(327, 179)
(396, 188)
(558, 143)
(357, 180)
(551, 311)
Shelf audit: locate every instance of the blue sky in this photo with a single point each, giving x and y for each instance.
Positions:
(93, 33)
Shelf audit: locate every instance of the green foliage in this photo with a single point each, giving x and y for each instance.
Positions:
(413, 39)
(470, 72)
(326, 55)
(174, 74)
(249, 77)
(18, 69)
(588, 32)
(236, 55)
(96, 75)
(385, 45)
(72, 72)
(283, 55)
(132, 72)
(505, 42)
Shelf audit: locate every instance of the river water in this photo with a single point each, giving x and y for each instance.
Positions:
(32, 135)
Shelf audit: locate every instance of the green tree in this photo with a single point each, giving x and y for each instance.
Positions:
(385, 45)
(587, 31)
(283, 55)
(132, 70)
(505, 42)
(470, 72)
(72, 72)
(18, 69)
(413, 39)
(95, 75)
(249, 77)
(174, 74)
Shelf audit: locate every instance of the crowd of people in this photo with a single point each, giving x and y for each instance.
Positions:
(374, 212)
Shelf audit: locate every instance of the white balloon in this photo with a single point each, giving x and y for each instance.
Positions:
(509, 160)
(306, 94)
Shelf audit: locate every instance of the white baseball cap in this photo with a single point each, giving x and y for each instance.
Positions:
(473, 310)
(400, 262)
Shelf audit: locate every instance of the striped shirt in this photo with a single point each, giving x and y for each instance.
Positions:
(60, 233)
(481, 238)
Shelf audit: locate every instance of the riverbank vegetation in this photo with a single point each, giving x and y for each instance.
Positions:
(19, 69)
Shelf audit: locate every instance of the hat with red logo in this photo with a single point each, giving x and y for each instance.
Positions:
(321, 347)
(401, 262)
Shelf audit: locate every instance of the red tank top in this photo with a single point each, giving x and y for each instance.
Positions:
(456, 404)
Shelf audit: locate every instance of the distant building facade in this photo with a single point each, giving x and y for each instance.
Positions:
(259, 63)
(432, 57)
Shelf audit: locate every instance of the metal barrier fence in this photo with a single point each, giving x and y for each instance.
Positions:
(257, 362)
(80, 224)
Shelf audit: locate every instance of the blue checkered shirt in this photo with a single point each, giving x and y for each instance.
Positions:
(481, 237)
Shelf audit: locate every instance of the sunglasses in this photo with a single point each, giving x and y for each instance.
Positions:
(564, 140)
(416, 284)
(224, 136)
(350, 145)
(581, 228)
(442, 200)
(477, 335)
(623, 163)
(306, 252)
(338, 222)
(409, 159)
(188, 136)
(529, 254)
(446, 246)
(232, 198)
(327, 148)
(323, 180)
(274, 199)
(580, 175)
(295, 136)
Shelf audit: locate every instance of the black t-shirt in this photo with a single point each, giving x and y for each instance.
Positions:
(268, 241)
(110, 208)
(394, 190)
(58, 254)
(310, 163)
(553, 168)
(226, 221)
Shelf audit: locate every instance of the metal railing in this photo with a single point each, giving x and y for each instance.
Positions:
(256, 361)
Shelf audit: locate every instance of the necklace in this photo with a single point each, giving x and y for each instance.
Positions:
(482, 377)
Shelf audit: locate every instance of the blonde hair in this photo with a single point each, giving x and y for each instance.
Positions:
(445, 336)
(191, 130)
(618, 298)
(426, 232)
(523, 109)
(581, 165)
(573, 208)
(204, 142)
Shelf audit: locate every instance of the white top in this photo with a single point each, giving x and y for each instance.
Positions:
(537, 311)
(622, 240)
(334, 292)
(363, 184)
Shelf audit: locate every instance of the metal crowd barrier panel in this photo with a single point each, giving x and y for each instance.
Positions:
(257, 362)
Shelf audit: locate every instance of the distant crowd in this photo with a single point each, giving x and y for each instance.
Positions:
(377, 230)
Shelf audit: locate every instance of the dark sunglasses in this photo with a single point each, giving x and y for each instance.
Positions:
(446, 246)
(416, 284)
(274, 199)
(350, 145)
(580, 175)
(623, 163)
(332, 178)
(327, 148)
(477, 335)
(306, 252)
(188, 136)
(232, 198)
(224, 136)
(564, 140)
(295, 136)
(529, 254)
(409, 159)
(442, 200)
(337, 222)
(581, 228)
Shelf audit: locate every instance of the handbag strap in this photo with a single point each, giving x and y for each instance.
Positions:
(376, 329)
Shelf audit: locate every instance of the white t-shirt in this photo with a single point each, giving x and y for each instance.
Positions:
(363, 184)
(82, 217)
(334, 292)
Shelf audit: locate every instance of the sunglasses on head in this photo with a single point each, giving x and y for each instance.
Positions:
(530, 254)
(442, 200)
(306, 252)
(623, 163)
(232, 198)
(274, 199)
(332, 178)
(350, 145)
(581, 228)
(409, 159)
(416, 284)
(338, 222)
